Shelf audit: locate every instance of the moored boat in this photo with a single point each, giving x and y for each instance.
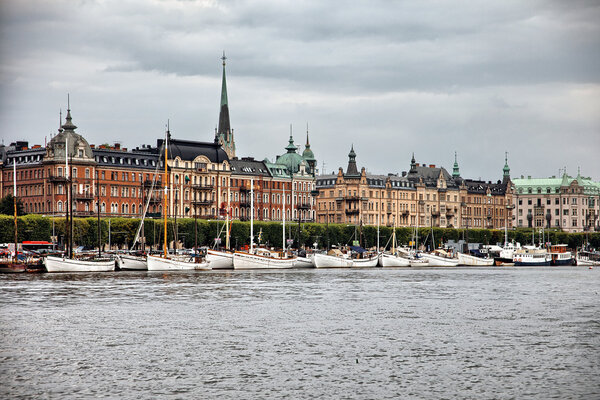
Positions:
(559, 255)
(587, 258)
(530, 256)
(220, 259)
(393, 260)
(262, 259)
(439, 258)
(176, 263)
(62, 264)
(335, 259)
(132, 262)
(366, 262)
(470, 260)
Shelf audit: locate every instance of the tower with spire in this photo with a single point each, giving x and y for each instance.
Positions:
(308, 155)
(506, 169)
(352, 170)
(224, 133)
(455, 170)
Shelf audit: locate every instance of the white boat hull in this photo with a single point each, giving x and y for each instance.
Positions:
(418, 262)
(132, 263)
(467, 259)
(327, 261)
(219, 259)
(243, 260)
(390, 260)
(305, 262)
(59, 264)
(365, 262)
(437, 261)
(169, 264)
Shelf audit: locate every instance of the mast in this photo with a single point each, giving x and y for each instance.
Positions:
(175, 236)
(283, 218)
(227, 218)
(72, 211)
(251, 215)
(98, 196)
(67, 233)
(378, 232)
(165, 194)
(16, 259)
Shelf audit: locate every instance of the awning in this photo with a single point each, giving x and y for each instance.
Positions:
(358, 249)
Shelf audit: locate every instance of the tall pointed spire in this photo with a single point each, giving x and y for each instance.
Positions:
(68, 125)
(291, 147)
(413, 163)
(506, 169)
(224, 134)
(455, 170)
(352, 169)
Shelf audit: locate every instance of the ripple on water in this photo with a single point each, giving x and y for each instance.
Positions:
(394, 333)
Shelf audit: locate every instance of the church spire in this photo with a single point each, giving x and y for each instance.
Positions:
(455, 170)
(506, 168)
(224, 134)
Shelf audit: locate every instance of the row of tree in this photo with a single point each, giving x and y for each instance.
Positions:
(122, 233)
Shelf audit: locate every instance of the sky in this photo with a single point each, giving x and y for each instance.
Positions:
(390, 78)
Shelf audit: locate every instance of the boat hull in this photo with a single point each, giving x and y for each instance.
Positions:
(389, 260)
(327, 261)
(304, 262)
(219, 259)
(437, 261)
(59, 264)
(168, 264)
(469, 260)
(243, 260)
(365, 262)
(132, 263)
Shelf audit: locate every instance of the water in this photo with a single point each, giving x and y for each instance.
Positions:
(396, 333)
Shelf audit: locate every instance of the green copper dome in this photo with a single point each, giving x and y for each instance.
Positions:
(291, 159)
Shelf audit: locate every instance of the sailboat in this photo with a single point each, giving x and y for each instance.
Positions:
(67, 263)
(262, 258)
(166, 262)
(220, 259)
(393, 258)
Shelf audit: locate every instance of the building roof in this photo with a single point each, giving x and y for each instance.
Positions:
(249, 166)
(188, 150)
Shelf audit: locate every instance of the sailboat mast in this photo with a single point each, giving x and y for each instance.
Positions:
(227, 218)
(283, 218)
(165, 195)
(67, 184)
(98, 206)
(251, 215)
(15, 204)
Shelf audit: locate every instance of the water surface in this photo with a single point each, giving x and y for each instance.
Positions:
(479, 333)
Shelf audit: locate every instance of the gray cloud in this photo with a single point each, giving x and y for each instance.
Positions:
(391, 77)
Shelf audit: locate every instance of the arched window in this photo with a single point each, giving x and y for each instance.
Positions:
(133, 208)
(59, 205)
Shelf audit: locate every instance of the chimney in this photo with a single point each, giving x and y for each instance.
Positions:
(431, 165)
(403, 173)
(93, 146)
(117, 146)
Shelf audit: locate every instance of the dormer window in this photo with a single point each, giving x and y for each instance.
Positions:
(80, 153)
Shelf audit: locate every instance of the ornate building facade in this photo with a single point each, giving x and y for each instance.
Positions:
(571, 204)
(424, 196)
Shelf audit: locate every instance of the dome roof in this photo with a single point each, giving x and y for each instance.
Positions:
(76, 142)
(291, 159)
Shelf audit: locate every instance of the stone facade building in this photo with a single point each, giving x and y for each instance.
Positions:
(571, 204)
(424, 196)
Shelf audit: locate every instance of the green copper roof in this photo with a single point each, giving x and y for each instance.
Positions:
(455, 170)
(307, 154)
(506, 168)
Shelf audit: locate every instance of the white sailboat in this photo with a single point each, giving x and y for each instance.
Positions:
(439, 258)
(470, 260)
(219, 259)
(262, 258)
(66, 263)
(167, 262)
(393, 258)
(335, 259)
(132, 262)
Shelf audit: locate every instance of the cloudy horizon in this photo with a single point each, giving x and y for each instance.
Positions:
(389, 78)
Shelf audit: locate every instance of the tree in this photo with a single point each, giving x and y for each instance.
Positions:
(7, 206)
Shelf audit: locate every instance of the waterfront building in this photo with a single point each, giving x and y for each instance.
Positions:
(424, 196)
(42, 179)
(571, 204)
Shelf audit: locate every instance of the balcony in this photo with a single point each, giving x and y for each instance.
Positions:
(203, 187)
(202, 202)
(304, 206)
(156, 200)
(57, 178)
(405, 213)
(86, 196)
(449, 212)
(435, 213)
(352, 212)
